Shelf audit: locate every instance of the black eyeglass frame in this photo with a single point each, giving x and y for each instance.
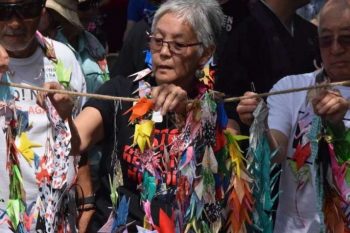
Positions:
(327, 41)
(171, 44)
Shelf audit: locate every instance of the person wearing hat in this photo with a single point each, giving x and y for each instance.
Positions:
(61, 21)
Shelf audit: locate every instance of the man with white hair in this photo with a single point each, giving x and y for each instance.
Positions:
(305, 206)
(272, 42)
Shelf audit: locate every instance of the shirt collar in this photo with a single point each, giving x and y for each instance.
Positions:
(289, 29)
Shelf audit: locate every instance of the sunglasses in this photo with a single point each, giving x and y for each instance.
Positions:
(24, 10)
(327, 41)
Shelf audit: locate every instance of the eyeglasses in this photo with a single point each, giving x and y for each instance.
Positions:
(24, 10)
(327, 41)
(156, 44)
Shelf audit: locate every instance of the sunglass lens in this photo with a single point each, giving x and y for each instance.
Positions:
(325, 41)
(5, 12)
(344, 41)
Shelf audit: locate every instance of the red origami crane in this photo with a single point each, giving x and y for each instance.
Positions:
(166, 224)
(302, 153)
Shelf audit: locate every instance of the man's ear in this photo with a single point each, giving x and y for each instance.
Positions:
(43, 12)
(44, 23)
(206, 55)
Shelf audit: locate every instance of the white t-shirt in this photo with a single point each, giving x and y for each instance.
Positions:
(297, 211)
(35, 70)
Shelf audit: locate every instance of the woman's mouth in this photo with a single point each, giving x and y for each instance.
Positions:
(164, 67)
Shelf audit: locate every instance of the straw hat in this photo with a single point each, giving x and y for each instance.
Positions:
(67, 9)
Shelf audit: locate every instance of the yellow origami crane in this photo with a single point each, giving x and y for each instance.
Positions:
(192, 225)
(234, 151)
(143, 132)
(25, 147)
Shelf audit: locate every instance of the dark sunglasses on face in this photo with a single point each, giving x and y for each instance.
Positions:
(156, 44)
(327, 41)
(24, 10)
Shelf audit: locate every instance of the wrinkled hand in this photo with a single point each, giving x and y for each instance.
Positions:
(246, 107)
(331, 106)
(63, 103)
(4, 60)
(169, 98)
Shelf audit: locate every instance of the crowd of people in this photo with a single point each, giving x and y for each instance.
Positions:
(160, 152)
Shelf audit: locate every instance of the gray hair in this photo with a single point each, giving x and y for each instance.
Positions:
(204, 16)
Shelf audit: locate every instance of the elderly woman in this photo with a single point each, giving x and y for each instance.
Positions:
(182, 40)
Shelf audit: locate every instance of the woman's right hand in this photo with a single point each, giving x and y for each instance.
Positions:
(169, 98)
(63, 103)
(246, 107)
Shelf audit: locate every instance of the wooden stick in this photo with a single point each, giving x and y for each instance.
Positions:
(73, 93)
(237, 99)
(128, 99)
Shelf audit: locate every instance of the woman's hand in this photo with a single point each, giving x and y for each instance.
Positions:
(63, 103)
(246, 107)
(331, 106)
(169, 98)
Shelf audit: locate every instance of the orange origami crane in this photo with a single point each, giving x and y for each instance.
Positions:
(141, 108)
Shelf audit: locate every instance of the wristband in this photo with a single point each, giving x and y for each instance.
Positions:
(86, 201)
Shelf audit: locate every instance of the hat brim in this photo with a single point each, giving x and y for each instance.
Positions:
(68, 14)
